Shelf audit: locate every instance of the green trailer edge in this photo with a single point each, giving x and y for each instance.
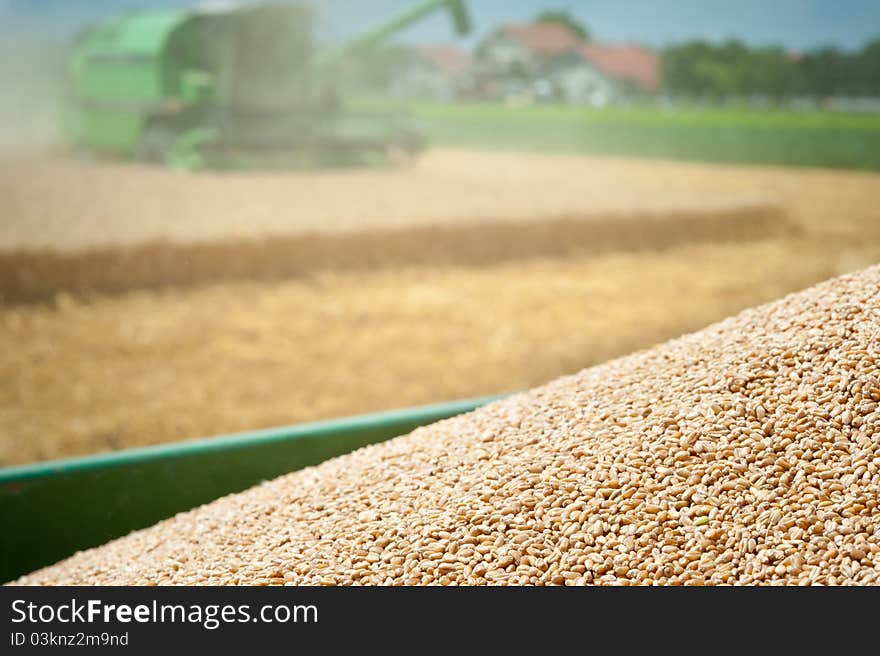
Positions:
(51, 510)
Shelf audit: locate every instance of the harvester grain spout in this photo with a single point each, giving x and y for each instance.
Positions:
(457, 10)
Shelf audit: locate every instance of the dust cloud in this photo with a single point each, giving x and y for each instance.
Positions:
(31, 85)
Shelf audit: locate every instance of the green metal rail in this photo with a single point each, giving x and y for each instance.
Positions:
(51, 510)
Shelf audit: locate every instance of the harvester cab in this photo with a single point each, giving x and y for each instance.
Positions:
(230, 88)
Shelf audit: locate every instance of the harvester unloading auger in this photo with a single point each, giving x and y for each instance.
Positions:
(233, 88)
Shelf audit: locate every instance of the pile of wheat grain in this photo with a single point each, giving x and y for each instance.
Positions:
(746, 453)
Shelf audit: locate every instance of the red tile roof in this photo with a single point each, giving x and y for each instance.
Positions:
(447, 59)
(544, 39)
(633, 63)
(619, 62)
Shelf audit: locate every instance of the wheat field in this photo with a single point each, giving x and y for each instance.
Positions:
(229, 302)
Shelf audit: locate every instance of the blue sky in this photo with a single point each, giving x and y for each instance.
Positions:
(796, 24)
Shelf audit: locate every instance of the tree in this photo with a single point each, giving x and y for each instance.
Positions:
(729, 70)
(826, 72)
(735, 70)
(564, 17)
(868, 67)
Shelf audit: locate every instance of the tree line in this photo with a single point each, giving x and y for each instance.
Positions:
(733, 69)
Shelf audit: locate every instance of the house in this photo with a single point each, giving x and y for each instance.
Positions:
(627, 64)
(598, 74)
(553, 62)
(524, 49)
(440, 72)
(577, 82)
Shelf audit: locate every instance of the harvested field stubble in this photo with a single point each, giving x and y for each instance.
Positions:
(746, 453)
(28, 275)
(74, 226)
(56, 202)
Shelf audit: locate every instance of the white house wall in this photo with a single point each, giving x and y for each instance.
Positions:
(584, 86)
(504, 54)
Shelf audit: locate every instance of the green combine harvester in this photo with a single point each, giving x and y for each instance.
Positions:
(231, 88)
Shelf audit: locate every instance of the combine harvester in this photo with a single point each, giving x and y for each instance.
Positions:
(232, 88)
